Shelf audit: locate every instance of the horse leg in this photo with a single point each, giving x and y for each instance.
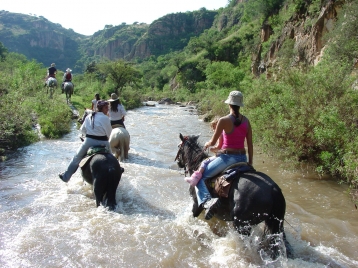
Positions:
(122, 150)
(98, 190)
(196, 210)
(126, 149)
(113, 182)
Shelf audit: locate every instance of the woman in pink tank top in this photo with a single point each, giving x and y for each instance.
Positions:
(235, 129)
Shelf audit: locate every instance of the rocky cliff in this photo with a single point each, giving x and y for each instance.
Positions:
(172, 32)
(306, 32)
(169, 33)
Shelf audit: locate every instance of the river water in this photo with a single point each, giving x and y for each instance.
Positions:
(48, 223)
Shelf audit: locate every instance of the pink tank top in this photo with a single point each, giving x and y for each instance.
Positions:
(236, 139)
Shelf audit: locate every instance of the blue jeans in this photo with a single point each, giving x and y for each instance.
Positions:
(81, 152)
(214, 168)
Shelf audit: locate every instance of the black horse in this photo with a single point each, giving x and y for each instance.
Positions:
(104, 172)
(253, 197)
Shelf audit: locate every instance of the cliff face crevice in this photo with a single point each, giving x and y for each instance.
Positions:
(307, 34)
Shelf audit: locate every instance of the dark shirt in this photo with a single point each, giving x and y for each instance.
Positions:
(52, 70)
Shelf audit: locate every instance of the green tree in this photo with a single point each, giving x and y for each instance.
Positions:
(121, 73)
(3, 52)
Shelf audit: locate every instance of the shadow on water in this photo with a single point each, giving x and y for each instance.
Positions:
(145, 161)
(130, 202)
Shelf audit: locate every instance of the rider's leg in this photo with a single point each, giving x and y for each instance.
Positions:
(196, 176)
(213, 169)
(81, 152)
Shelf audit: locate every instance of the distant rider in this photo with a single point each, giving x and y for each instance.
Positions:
(67, 77)
(51, 72)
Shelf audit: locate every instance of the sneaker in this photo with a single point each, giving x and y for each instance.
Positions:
(194, 179)
(211, 207)
(61, 175)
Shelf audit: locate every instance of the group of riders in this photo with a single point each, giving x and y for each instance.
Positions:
(230, 134)
(67, 76)
(97, 128)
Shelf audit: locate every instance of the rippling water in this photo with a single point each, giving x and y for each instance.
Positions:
(47, 223)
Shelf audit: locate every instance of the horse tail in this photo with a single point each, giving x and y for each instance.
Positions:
(274, 223)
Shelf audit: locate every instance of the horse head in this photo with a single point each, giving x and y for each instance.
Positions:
(190, 153)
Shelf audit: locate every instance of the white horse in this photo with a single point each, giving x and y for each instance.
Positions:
(51, 83)
(119, 141)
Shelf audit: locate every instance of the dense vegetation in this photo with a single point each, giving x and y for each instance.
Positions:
(299, 112)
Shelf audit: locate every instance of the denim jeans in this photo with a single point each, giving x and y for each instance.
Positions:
(214, 168)
(81, 152)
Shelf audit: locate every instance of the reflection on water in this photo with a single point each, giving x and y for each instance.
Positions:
(47, 223)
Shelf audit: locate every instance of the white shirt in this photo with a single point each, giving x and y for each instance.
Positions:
(102, 125)
(94, 105)
(114, 116)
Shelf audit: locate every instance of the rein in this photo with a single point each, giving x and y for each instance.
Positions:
(186, 168)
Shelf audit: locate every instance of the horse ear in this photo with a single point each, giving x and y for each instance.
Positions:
(181, 137)
(196, 137)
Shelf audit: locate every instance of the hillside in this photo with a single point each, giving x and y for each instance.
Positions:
(39, 39)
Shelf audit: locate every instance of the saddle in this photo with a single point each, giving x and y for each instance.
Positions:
(92, 151)
(220, 185)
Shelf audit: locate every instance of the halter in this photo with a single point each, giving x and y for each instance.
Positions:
(181, 146)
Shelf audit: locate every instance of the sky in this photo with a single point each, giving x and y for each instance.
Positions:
(88, 17)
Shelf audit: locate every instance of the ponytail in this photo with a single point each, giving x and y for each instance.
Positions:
(237, 114)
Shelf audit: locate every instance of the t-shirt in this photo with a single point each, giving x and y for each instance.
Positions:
(101, 125)
(94, 102)
(52, 70)
(114, 116)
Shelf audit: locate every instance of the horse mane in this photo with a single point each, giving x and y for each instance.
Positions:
(194, 153)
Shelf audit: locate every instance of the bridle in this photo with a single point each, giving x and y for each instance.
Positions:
(180, 152)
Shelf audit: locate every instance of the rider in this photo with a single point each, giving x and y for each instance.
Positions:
(94, 102)
(67, 77)
(97, 129)
(234, 128)
(51, 72)
(196, 176)
(116, 111)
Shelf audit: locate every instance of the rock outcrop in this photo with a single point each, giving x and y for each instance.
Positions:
(305, 32)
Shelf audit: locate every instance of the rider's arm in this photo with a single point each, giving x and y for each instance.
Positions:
(217, 134)
(250, 147)
(218, 146)
(83, 128)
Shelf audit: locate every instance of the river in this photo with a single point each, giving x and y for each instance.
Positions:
(48, 223)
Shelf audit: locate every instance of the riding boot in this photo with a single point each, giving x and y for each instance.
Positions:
(194, 179)
(211, 207)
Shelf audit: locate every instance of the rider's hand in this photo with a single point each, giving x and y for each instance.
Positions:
(207, 145)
